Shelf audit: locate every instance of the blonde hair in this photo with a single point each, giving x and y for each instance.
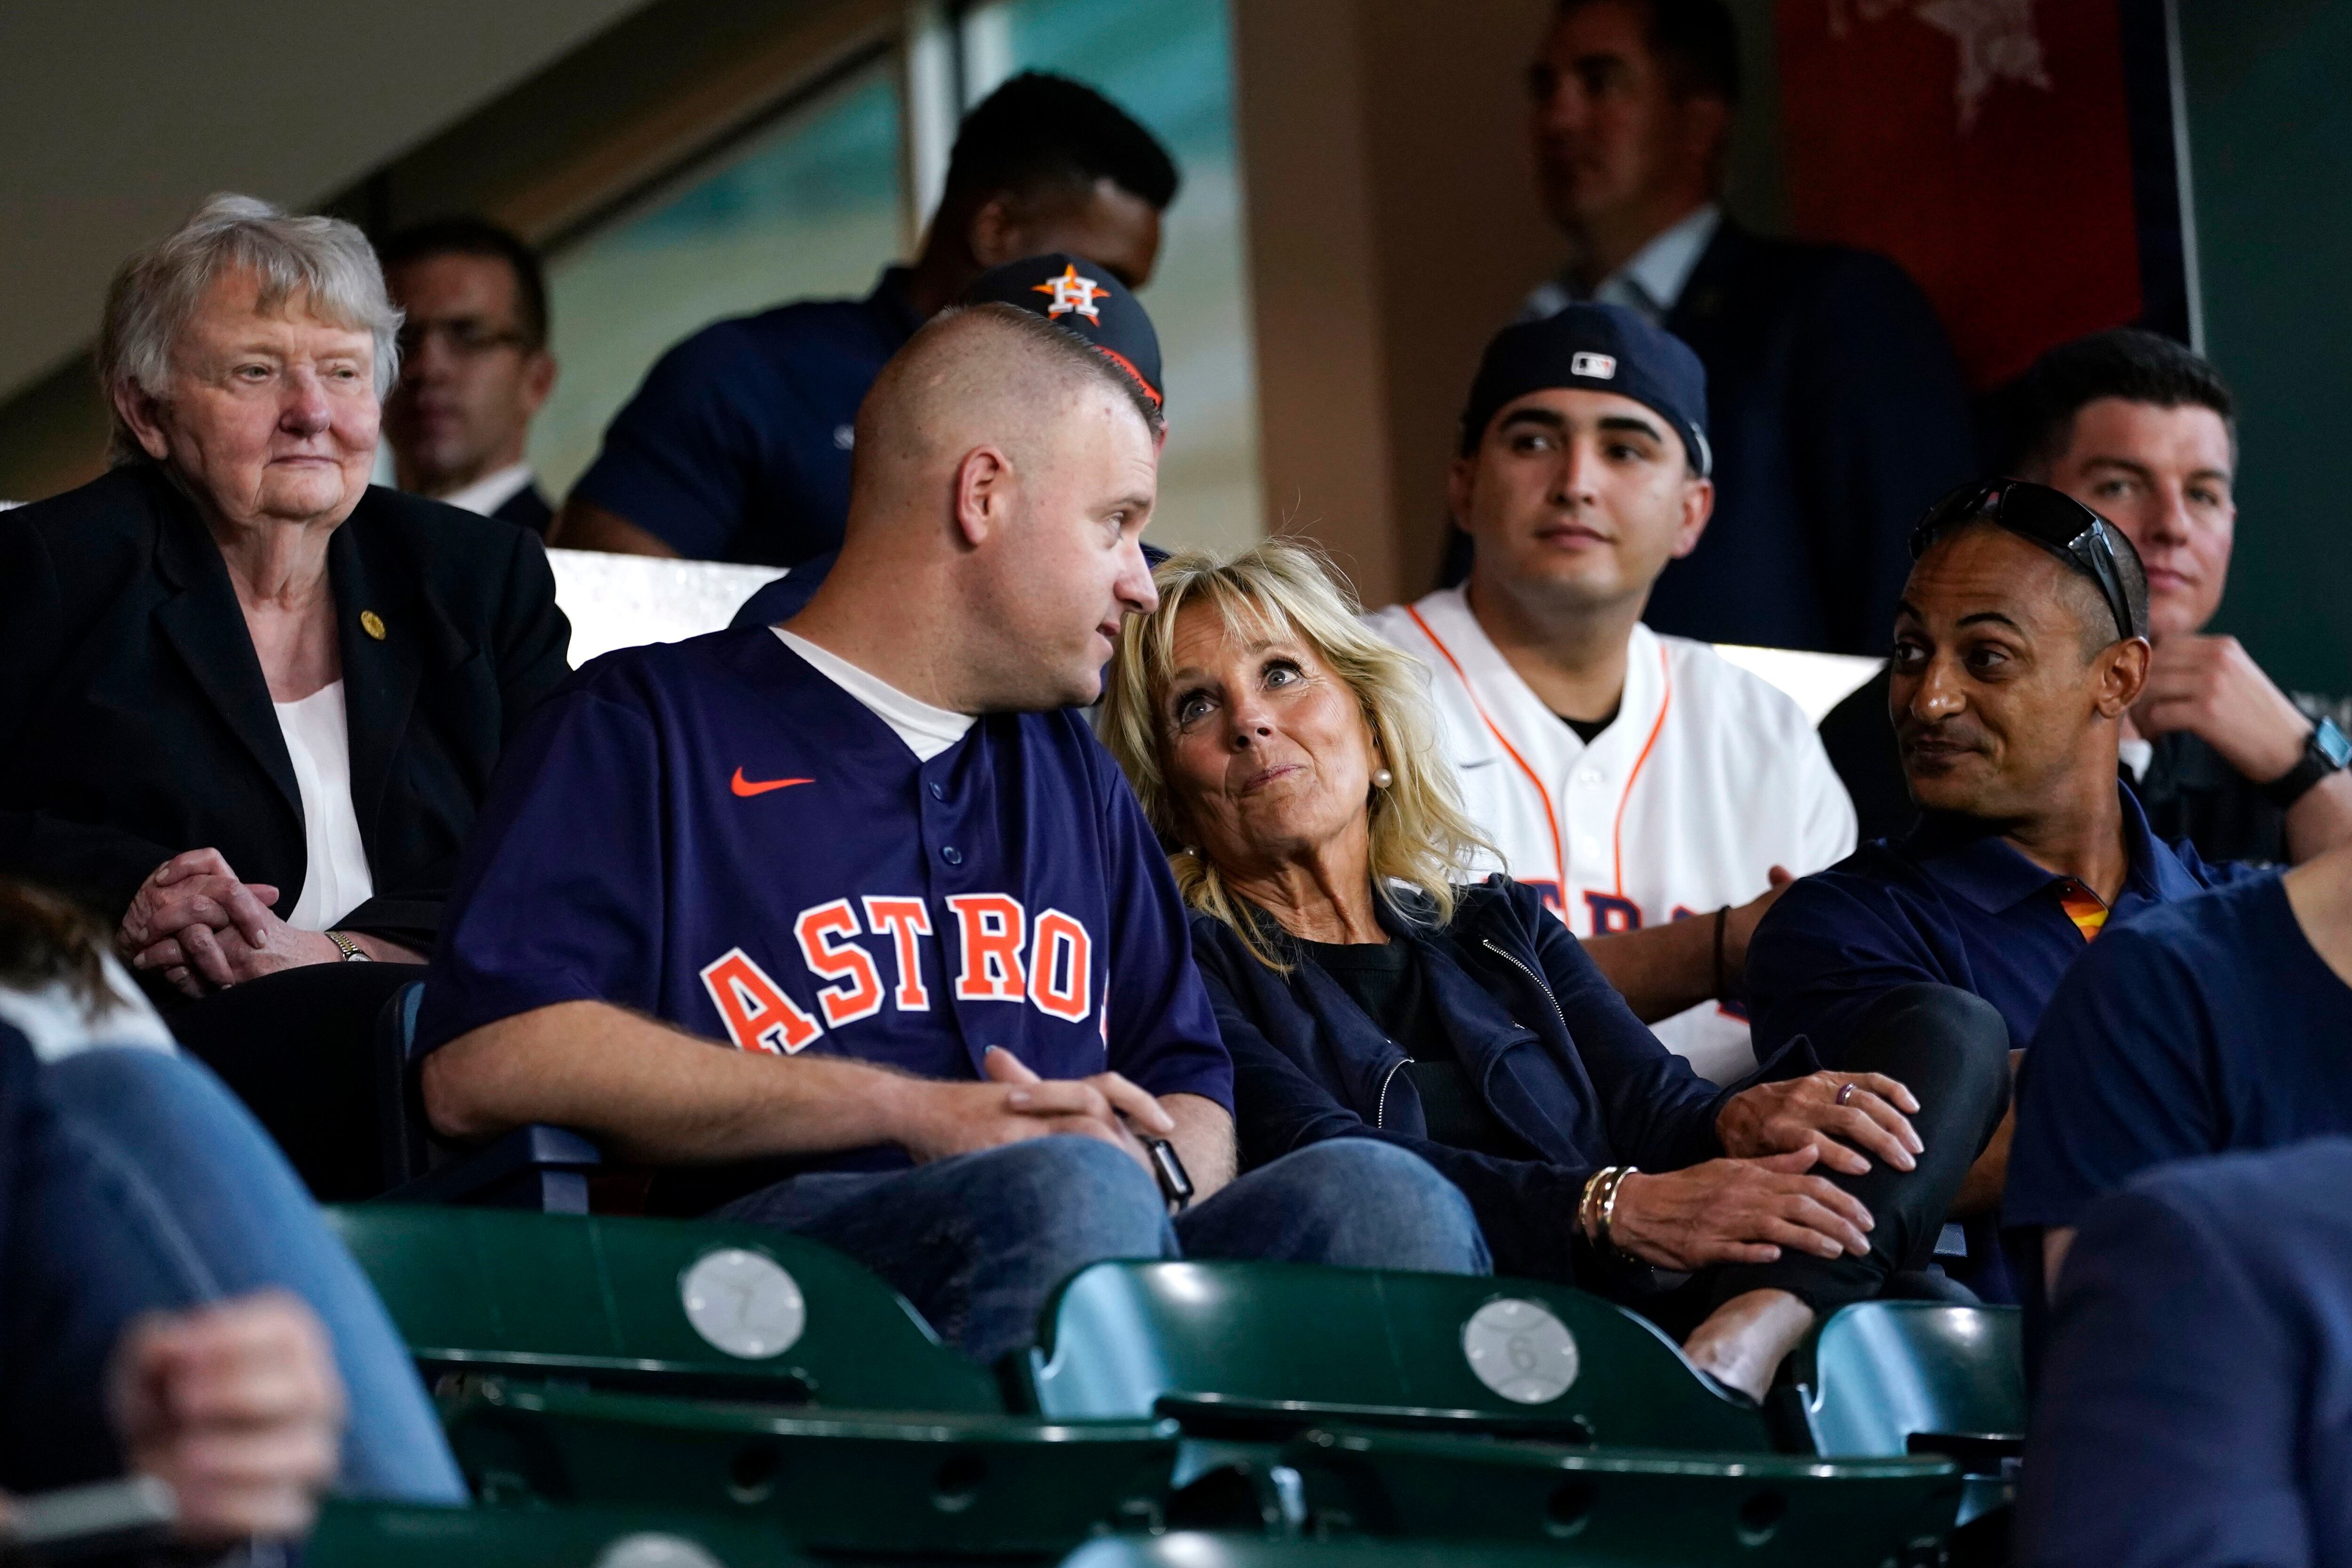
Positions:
(1419, 838)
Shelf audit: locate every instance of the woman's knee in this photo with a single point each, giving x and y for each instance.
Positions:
(1380, 1206)
(1949, 1047)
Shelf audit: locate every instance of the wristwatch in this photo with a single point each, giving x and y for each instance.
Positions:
(2324, 752)
(353, 951)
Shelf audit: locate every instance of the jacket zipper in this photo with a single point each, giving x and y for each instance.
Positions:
(1489, 944)
(1380, 1106)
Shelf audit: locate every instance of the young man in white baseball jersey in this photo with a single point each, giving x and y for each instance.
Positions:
(1644, 784)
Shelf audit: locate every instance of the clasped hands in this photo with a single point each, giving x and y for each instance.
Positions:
(1014, 1104)
(204, 930)
(1759, 1198)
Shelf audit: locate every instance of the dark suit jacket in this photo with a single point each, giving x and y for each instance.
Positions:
(526, 508)
(136, 723)
(1837, 414)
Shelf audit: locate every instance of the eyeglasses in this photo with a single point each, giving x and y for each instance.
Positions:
(464, 337)
(2052, 519)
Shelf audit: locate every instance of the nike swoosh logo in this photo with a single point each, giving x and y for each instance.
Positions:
(747, 787)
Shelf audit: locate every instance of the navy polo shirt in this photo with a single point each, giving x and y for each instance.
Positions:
(1953, 903)
(736, 447)
(2200, 1029)
(714, 834)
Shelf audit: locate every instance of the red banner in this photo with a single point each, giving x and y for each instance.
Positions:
(1985, 145)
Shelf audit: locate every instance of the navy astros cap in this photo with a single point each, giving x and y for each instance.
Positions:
(1600, 348)
(1083, 300)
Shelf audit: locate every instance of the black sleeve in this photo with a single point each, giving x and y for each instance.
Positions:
(102, 866)
(1882, 429)
(1526, 1208)
(531, 644)
(1659, 1112)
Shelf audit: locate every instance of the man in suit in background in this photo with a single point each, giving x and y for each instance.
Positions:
(474, 367)
(1834, 405)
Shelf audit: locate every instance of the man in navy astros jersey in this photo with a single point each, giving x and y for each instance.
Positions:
(874, 852)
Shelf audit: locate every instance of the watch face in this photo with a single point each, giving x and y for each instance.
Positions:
(2332, 743)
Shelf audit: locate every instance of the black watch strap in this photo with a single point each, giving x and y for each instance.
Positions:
(2324, 752)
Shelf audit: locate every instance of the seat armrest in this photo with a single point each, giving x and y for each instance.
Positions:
(535, 1167)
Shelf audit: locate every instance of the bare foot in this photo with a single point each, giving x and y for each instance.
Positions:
(1743, 1342)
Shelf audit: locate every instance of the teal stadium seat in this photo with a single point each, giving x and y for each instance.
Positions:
(1620, 1505)
(389, 1535)
(1262, 1351)
(1916, 1377)
(736, 1371)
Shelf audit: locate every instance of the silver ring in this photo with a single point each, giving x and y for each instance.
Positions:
(1845, 1093)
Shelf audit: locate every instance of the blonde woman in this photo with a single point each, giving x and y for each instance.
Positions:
(1366, 989)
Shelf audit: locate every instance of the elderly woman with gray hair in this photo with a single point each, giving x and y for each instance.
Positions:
(252, 704)
(1367, 989)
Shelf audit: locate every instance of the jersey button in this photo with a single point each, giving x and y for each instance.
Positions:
(1588, 775)
(951, 854)
(938, 791)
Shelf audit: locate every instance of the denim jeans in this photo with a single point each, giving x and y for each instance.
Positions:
(132, 1181)
(979, 1241)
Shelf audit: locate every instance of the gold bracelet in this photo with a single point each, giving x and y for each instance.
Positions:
(1609, 1205)
(1587, 1210)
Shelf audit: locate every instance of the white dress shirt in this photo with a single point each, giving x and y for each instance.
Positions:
(1651, 284)
(492, 491)
(318, 738)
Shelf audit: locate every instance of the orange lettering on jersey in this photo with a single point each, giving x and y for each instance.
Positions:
(758, 1015)
(903, 919)
(825, 935)
(991, 929)
(1061, 967)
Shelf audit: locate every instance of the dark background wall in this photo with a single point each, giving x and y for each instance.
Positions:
(2270, 127)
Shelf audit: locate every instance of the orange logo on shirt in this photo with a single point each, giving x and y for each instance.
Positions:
(750, 788)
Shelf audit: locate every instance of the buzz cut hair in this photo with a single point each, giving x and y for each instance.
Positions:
(1697, 41)
(1040, 131)
(1087, 361)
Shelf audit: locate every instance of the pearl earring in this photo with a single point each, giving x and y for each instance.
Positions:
(1383, 778)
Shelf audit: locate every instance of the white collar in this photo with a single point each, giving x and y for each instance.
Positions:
(1503, 696)
(1661, 270)
(492, 491)
(926, 730)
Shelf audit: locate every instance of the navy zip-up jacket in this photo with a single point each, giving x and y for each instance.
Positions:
(1549, 1044)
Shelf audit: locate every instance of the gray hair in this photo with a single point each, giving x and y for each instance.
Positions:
(153, 297)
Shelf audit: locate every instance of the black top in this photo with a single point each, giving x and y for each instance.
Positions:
(1385, 980)
(138, 724)
(526, 508)
(1588, 730)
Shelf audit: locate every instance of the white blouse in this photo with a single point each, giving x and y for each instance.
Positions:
(318, 738)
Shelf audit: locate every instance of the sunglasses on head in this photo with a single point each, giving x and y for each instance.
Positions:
(2052, 519)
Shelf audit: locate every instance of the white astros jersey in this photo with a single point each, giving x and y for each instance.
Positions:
(1708, 778)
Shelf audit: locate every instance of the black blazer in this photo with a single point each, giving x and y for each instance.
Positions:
(526, 508)
(1837, 413)
(135, 723)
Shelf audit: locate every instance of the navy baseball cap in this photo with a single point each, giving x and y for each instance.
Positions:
(1086, 301)
(1599, 348)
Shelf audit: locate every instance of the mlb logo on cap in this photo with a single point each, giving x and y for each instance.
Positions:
(1600, 367)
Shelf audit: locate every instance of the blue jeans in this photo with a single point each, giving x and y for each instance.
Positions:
(133, 1182)
(978, 1242)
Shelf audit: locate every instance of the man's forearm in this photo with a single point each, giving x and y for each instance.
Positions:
(2322, 819)
(1660, 970)
(581, 525)
(651, 1094)
(1204, 1140)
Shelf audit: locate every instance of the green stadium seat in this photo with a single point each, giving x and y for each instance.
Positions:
(352, 1534)
(1912, 1377)
(923, 1485)
(700, 1367)
(1193, 1549)
(1627, 1506)
(1254, 1352)
(695, 1308)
